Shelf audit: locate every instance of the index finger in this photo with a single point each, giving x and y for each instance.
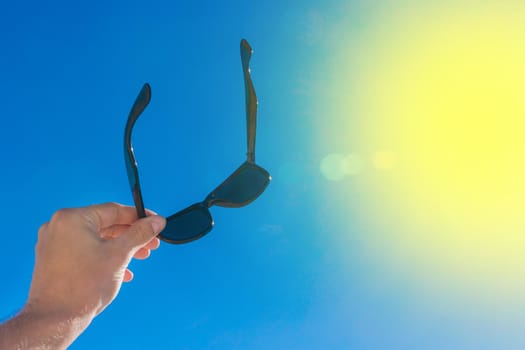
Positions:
(109, 214)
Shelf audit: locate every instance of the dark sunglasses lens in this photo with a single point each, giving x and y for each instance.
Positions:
(187, 225)
(246, 184)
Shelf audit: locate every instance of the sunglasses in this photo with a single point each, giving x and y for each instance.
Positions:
(241, 188)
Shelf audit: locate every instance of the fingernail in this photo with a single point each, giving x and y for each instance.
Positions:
(151, 212)
(157, 222)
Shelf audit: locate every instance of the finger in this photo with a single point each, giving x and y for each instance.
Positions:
(153, 244)
(117, 230)
(145, 251)
(42, 229)
(128, 275)
(150, 212)
(113, 231)
(142, 231)
(109, 214)
(142, 254)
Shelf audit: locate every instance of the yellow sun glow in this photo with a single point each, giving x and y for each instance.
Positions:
(444, 92)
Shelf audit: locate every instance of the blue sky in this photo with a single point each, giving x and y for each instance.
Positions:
(309, 264)
(70, 74)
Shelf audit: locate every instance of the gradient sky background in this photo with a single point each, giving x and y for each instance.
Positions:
(393, 131)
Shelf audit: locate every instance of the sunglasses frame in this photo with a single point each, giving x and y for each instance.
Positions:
(142, 101)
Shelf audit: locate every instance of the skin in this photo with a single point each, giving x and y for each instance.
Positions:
(82, 258)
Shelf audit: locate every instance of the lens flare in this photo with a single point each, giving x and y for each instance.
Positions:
(336, 167)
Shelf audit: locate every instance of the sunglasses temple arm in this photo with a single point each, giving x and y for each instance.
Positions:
(131, 165)
(251, 100)
(139, 204)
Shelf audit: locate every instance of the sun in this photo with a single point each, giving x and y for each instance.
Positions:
(442, 92)
(462, 106)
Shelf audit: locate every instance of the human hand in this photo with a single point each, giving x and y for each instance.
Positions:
(82, 256)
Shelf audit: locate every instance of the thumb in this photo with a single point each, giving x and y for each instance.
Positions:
(143, 231)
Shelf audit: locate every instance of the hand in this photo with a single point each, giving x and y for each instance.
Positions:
(82, 256)
(81, 261)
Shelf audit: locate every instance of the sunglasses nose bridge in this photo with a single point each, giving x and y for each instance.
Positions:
(209, 201)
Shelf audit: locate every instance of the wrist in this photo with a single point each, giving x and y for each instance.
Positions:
(38, 328)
